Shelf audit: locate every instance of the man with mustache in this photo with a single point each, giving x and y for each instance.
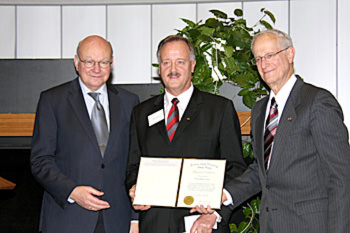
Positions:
(208, 128)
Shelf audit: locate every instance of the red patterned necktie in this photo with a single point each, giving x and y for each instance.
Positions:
(173, 119)
(270, 131)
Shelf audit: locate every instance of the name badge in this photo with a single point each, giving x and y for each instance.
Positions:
(155, 117)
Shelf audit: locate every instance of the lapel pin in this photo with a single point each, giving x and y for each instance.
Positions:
(289, 118)
(188, 118)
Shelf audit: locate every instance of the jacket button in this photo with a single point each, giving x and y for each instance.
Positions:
(102, 165)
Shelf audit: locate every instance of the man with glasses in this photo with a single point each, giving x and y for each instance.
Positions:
(80, 148)
(301, 149)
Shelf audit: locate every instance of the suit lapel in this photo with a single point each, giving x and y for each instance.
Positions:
(79, 109)
(285, 125)
(191, 112)
(115, 113)
(157, 106)
(259, 130)
(189, 115)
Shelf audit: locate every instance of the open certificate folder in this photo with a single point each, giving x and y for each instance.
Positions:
(177, 182)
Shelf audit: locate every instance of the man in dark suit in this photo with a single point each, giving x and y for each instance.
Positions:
(305, 177)
(208, 128)
(82, 172)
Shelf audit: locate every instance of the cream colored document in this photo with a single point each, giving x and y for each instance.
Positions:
(201, 183)
(176, 182)
(157, 181)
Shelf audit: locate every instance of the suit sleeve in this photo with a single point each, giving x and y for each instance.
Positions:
(231, 143)
(332, 143)
(248, 184)
(231, 150)
(134, 155)
(42, 159)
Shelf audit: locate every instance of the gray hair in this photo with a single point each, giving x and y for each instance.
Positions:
(173, 38)
(284, 38)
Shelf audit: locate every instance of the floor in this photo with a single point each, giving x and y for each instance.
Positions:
(19, 208)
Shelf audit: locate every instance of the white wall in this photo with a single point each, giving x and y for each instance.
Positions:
(318, 28)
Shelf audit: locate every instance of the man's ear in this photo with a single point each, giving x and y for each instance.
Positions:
(76, 62)
(193, 65)
(291, 54)
(112, 62)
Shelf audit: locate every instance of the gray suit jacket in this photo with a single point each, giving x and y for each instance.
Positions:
(307, 188)
(65, 153)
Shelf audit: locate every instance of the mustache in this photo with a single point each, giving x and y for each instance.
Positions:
(174, 74)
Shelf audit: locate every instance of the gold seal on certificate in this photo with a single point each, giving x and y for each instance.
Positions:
(188, 200)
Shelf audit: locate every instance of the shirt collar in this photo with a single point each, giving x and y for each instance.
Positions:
(183, 98)
(86, 90)
(282, 96)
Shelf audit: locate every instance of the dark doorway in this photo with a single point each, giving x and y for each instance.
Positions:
(19, 208)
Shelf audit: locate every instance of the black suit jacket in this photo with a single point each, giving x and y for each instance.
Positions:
(308, 183)
(209, 129)
(65, 154)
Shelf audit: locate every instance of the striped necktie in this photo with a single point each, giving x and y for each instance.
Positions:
(270, 131)
(173, 119)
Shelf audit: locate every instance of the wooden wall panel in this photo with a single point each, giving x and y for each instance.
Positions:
(22, 124)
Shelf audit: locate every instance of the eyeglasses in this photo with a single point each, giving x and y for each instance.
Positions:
(267, 57)
(92, 63)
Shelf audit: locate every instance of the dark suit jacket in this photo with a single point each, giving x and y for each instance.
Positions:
(65, 154)
(209, 128)
(308, 183)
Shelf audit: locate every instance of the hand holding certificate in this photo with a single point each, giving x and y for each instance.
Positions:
(176, 182)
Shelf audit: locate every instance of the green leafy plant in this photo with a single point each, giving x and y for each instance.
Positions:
(251, 212)
(223, 54)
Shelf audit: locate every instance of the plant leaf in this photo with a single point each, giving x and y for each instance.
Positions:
(249, 100)
(230, 65)
(207, 31)
(266, 24)
(228, 51)
(255, 205)
(211, 23)
(242, 226)
(247, 150)
(219, 14)
(189, 22)
(238, 12)
(233, 228)
(271, 16)
(243, 92)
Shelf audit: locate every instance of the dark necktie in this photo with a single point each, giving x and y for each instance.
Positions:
(270, 131)
(99, 123)
(173, 119)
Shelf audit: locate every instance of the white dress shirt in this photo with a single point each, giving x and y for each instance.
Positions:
(184, 99)
(281, 100)
(89, 101)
